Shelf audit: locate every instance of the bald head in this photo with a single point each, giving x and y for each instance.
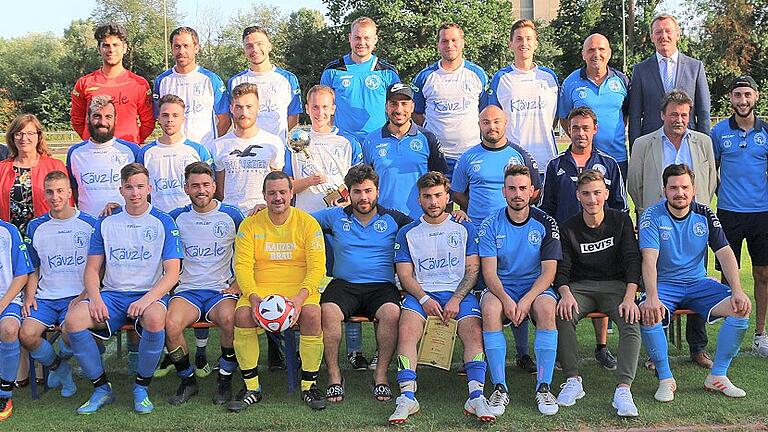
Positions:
(596, 53)
(493, 124)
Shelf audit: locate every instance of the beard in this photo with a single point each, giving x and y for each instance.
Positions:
(356, 207)
(100, 135)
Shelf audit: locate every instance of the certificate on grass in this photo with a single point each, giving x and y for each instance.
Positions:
(437, 343)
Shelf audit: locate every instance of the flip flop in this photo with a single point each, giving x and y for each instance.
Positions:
(335, 391)
(382, 391)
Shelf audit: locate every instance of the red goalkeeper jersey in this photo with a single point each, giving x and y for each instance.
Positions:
(133, 102)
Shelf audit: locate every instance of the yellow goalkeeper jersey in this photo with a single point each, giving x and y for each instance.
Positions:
(279, 259)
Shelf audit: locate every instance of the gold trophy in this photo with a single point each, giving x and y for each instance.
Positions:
(333, 190)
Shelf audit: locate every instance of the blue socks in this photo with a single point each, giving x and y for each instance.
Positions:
(545, 347)
(496, 352)
(521, 338)
(44, 353)
(655, 342)
(407, 380)
(728, 342)
(354, 336)
(150, 349)
(87, 354)
(475, 377)
(9, 356)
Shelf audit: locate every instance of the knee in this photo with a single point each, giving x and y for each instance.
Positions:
(331, 315)
(226, 322)
(388, 314)
(243, 318)
(173, 326)
(29, 336)
(153, 321)
(78, 318)
(9, 330)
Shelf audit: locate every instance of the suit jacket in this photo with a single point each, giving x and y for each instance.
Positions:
(644, 182)
(646, 93)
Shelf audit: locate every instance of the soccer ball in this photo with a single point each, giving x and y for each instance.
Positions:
(276, 313)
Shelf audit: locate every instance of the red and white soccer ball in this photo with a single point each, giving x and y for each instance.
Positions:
(276, 313)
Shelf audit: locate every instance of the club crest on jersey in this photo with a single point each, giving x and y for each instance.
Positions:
(347, 226)
(80, 239)
(500, 241)
(664, 235)
(373, 82)
(514, 160)
(197, 90)
(534, 237)
(614, 85)
(416, 145)
(119, 159)
(220, 229)
(470, 86)
(454, 239)
(382, 151)
(700, 229)
(582, 94)
(380, 225)
(600, 168)
(727, 143)
(346, 82)
(149, 234)
(476, 166)
(760, 138)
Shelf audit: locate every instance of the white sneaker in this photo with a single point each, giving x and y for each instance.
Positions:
(623, 402)
(498, 400)
(479, 407)
(571, 391)
(666, 390)
(405, 407)
(546, 401)
(760, 345)
(723, 385)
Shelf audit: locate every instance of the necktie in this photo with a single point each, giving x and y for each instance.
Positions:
(668, 77)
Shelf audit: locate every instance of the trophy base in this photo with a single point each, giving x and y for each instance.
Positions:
(336, 195)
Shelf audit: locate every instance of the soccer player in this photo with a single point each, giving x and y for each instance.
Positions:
(132, 92)
(203, 92)
(94, 165)
(140, 253)
(246, 155)
(477, 179)
(279, 91)
(206, 290)
(519, 250)
(362, 237)
(604, 89)
(528, 95)
(15, 267)
(166, 157)
(448, 95)
(674, 235)
(332, 153)
(58, 247)
(279, 251)
(360, 80)
(742, 199)
(402, 151)
(441, 290)
(599, 272)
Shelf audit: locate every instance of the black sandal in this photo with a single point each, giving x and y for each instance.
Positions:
(382, 391)
(335, 391)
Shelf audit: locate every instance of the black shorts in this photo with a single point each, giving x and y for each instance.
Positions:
(752, 227)
(360, 299)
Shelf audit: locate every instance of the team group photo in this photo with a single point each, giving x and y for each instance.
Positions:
(255, 252)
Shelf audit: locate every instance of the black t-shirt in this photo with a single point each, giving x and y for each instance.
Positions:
(608, 252)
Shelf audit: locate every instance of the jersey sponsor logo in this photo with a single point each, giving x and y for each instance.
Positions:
(373, 82)
(279, 251)
(416, 145)
(597, 246)
(197, 251)
(249, 151)
(454, 239)
(446, 106)
(534, 237)
(162, 184)
(129, 254)
(760, 138)
(220, 229)
(61, 261)
(599, 167)
(91, 177)
(149, 234)
(700, 229)
(380, 225)
(433, 263)
(80, 239)
(527, 105)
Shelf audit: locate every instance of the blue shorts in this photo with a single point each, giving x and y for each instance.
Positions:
(50, 312)
(203, 299)
(517, 292)
(13, 310)
(469, 306)
(117, 303)
(701, 296)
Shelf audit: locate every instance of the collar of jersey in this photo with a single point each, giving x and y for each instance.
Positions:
(380, 211)
(485, 147)
(583, 74)
(760, 124)
(412, 131)
(509, 219)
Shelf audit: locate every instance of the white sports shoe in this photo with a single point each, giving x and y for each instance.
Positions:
(405, 407)
(498, 400)
(546, 401)
(760, 345)
(723, 385)
(623, 402)
(479, 407)
(666, 390)
(572, 391)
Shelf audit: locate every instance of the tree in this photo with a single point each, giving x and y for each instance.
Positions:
(310, 45)
(81, 54)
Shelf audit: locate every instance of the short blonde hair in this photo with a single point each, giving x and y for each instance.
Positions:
(523, 23)
(319, 88)
(19, 123)
(365, 22)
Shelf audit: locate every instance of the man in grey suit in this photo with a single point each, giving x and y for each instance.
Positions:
(675, 143)
(656, 76)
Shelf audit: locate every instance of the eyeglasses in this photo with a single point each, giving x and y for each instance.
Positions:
(30, 135)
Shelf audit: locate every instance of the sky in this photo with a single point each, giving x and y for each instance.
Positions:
(55, 15)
